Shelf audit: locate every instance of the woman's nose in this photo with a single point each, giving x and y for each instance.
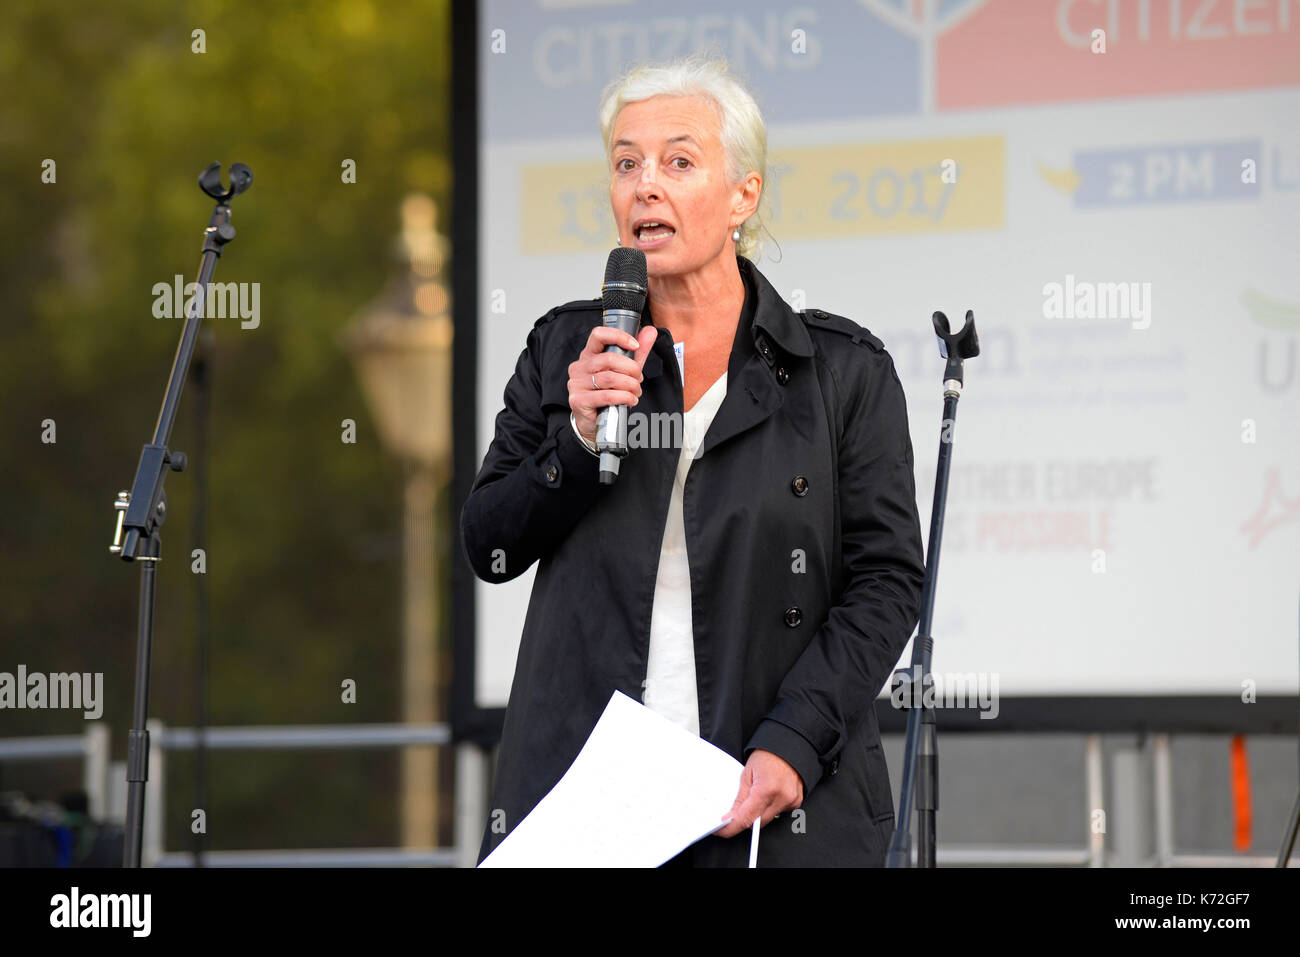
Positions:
(646, 184)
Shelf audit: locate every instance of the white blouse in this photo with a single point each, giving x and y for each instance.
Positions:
(670, 674)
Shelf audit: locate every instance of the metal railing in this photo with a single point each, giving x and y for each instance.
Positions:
(93, 748)
(104, 782)
(105, 787)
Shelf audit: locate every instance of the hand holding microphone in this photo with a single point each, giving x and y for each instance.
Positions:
(599, 378)
(612, 361)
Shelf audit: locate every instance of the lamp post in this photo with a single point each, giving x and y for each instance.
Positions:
(401, 345)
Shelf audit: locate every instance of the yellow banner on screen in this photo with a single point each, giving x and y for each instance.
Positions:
(863, 189)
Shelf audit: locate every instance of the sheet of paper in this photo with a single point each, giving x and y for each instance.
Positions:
(640, 791)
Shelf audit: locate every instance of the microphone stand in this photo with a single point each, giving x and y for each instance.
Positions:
(920, 753)
(141, 512)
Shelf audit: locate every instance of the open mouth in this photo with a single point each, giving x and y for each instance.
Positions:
(654, 234)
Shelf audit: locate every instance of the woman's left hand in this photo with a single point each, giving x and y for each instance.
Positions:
(768, 786)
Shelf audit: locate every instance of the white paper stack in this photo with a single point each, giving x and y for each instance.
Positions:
(640, 791)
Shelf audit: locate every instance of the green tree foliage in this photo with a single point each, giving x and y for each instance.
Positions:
(303, 547)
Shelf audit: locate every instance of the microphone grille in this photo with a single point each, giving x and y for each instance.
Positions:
(625, 266)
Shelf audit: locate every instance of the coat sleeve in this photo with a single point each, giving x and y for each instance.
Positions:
(536, 480)
(849, 659)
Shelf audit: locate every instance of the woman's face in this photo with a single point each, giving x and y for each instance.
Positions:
(668, 167)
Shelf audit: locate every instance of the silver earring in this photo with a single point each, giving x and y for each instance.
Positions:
(735, 235)
(620, 240)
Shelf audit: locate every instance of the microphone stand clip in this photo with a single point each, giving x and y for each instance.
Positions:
(141, 511)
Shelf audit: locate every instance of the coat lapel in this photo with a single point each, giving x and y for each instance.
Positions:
(752, 395)
(753, 392)
(767, 342)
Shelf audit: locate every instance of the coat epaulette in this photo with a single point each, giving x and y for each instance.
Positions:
(820, 319)
(576, 304)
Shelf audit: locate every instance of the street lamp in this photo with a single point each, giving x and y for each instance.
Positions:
(401, 346)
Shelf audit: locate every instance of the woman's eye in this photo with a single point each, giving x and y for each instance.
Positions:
(682, 159)
(625, 168)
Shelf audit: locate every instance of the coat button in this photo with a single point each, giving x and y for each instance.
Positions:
(835, 766)
(782, 376)
(552, 474)
(793, 616)
(799, 486)
(819, 314)
(764, 348)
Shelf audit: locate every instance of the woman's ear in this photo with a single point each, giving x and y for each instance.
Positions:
(751, 191)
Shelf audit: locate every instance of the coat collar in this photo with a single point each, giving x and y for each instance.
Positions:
(773, 318)
(758, 370)
(774, 315)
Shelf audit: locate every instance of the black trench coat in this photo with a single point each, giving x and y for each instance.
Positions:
(805, 560)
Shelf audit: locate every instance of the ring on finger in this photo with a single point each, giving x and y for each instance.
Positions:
(593, 381)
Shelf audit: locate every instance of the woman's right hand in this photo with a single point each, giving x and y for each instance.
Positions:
(617, 377)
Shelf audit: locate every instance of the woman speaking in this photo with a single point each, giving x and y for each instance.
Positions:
(755, 579)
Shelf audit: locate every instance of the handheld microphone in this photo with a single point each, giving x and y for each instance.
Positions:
(622, 296)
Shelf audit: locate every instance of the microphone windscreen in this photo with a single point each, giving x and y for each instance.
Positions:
(625, 266)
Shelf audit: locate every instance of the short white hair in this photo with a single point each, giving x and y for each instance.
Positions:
(740, 122)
